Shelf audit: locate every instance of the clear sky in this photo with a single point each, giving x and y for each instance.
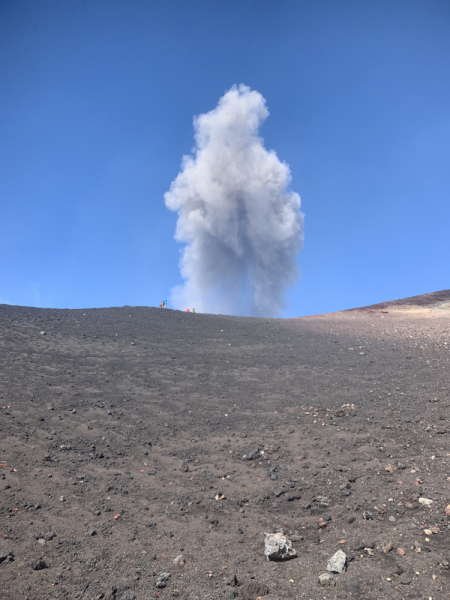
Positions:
(97, 99)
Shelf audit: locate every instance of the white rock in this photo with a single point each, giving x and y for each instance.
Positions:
(179, 560)
(338, 562)
(425, 501)
(277, 547)
(326, 580)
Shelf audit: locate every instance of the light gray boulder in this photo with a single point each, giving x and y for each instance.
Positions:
(278, 547)
(338, 562)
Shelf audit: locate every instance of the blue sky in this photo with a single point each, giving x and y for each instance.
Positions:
(96, 106)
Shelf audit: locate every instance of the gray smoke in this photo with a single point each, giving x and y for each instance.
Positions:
(241, 223)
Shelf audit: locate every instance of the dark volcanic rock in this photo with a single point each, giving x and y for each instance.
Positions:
(39, 564)
(6, 556)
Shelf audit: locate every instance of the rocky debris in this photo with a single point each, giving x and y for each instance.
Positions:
(162, 580)
(128, 596)
(278, 547)
(179, 561)
(90, 532)
(338, 562)
(184, 467)
(39, 564)
(387, 547)
(253, 590)
(6, 556)
(326, 580)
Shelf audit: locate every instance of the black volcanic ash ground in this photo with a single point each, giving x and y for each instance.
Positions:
(148, 414)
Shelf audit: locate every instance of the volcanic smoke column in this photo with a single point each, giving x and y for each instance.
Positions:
(241, 223)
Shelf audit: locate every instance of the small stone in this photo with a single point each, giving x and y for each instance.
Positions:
(231, 580)
(405, 580)
(253, 454)
(39, 564)
(326, 580)
(338, 562)
(42, 333)
(128, 596)
(387, 547)
(392, 519)
(49, 536)
(90, 532)
(277, 491)
(425, 501)
(74, 410)
(62, 498)
(367, 515)
(390, 468)
(179, 560)
(6, 556)
(162, 580)
(184, 467)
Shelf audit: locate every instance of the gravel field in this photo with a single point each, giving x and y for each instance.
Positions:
(145, 452)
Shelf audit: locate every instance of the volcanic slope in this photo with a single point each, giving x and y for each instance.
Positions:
(131, 437)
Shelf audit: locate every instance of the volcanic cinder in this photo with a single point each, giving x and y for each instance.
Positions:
(137, 442)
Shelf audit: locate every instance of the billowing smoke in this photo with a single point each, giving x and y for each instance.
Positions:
(241, 223)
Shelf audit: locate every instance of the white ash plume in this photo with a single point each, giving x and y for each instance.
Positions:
(241, 222)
